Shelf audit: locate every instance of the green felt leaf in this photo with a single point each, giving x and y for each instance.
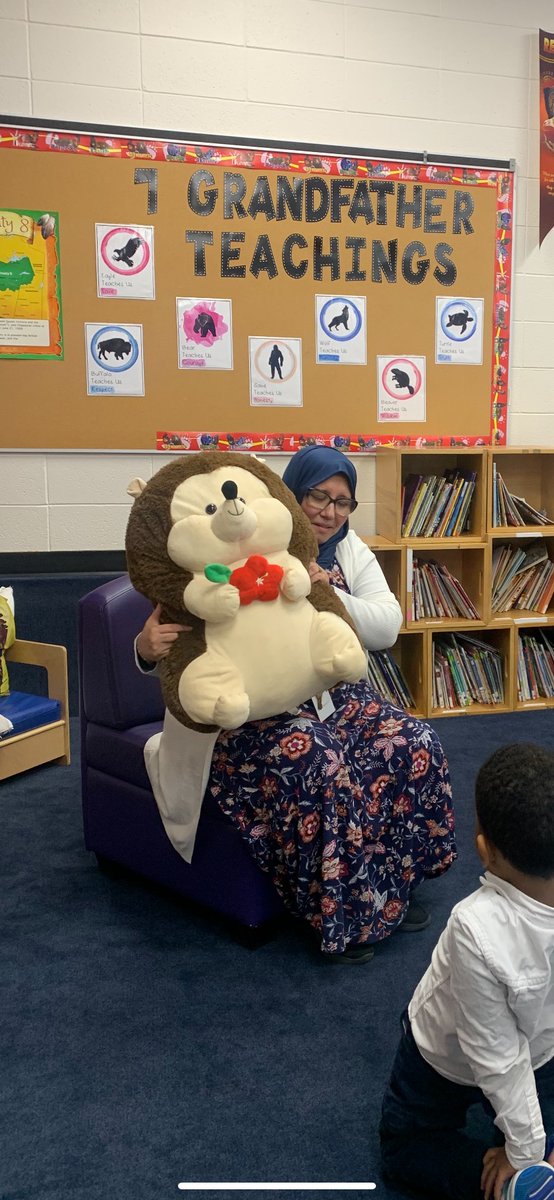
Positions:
(217, 573)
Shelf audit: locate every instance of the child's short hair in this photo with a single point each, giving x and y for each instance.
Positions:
(514, 798)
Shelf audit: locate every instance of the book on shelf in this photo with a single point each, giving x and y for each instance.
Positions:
(488, 663)
(460, 598)
(463, 515)
(437, 506)
(467, 669)
(450, 517)
(508, 509)
(495, 508)
(439, 605)
(522, 578)
(538, 589)
(387, 679)
(444, 695)
(426, 505)
(545, 664)
(411, 492)
(440, 507)
(437, 593)
(455, 487)
(535, 666)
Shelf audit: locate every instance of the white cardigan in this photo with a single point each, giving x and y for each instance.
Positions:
(372, 606)
(178, 760)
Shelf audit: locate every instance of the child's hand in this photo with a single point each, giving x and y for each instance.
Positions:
(496, 1170)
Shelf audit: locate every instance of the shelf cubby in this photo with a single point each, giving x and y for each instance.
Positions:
(527, 472)
(467, 564)
(541, 700)
(500, 640)
(394, 464)
(410, 654)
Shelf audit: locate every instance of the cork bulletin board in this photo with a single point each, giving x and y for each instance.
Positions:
(195, 288)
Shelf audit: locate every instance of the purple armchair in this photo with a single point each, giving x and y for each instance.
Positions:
(120, 710)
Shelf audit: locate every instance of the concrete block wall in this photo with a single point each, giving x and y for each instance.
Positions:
(71, 501)
(409, 75)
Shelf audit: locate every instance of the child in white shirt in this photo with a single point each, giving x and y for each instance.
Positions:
(480, 1025)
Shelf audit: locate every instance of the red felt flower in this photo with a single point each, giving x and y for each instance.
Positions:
(257, 579)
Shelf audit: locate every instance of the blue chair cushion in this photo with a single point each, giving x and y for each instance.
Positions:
(28, 712)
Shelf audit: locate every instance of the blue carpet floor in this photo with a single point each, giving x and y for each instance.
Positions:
(144, 1047)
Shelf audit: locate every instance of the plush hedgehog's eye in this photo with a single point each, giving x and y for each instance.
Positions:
(211, 508)
(242, 500)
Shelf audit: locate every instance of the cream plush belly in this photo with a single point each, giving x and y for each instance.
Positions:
(268, 657)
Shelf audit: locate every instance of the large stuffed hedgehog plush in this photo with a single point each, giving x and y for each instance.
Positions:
(220, 542)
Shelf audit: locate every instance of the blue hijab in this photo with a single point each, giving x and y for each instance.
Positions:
(308, 468)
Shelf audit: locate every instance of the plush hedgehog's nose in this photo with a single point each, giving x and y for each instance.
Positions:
(229, 489)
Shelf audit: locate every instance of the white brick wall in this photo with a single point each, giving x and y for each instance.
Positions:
(431, 75)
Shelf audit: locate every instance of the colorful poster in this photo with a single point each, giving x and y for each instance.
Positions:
(30, 294)
(546, 126)
(340, 323)
(401, 388)
(125, 262)
(204, 334)
(275, 372)
(115, 361)
(459, 331)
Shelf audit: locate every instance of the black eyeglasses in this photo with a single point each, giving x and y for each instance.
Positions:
(319, 500)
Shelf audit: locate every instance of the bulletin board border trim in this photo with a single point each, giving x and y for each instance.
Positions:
(148, 145)
(217, 140)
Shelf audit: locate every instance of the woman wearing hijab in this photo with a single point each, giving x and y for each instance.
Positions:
(348, 810)
(324, 482)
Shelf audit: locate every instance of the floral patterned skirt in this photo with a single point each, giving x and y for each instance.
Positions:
(347, 815)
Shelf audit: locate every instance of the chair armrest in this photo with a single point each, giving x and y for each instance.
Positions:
(52, 658)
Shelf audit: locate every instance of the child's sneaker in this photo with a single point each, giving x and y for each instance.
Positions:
(533, 1183)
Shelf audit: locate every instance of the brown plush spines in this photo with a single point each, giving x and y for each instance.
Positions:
(154, 574)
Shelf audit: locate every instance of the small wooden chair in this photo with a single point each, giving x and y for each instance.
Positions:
(45, 743)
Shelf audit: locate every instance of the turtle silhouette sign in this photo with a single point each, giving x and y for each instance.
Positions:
(459, 331)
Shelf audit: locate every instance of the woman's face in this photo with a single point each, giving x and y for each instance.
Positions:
(327, 521)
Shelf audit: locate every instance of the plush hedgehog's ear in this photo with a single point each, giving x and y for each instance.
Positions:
(135, 488)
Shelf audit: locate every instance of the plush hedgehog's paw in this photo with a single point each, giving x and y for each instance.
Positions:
(296, 583)
(350, 665)
(347, 665)
(225, 602)
(232, 711)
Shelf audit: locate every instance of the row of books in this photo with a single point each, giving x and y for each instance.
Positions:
(435, 505)
(535, 666)
(508, 509)
(387, 679)
(437, 593)
(466, 671)
(522, 578)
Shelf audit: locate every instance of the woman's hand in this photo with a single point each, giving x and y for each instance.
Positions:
(317, 574)
(496, 1170)
(155, 640)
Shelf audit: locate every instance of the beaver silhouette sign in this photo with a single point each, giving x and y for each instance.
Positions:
(401, 388)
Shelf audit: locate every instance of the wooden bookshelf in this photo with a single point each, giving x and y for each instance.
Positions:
(527, 472)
